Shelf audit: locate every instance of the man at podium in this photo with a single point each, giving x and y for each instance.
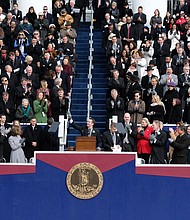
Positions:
(89, 130)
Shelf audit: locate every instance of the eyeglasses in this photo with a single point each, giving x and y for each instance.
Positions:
(136, 95)
(5, 80)
(35, 33)
(45, 9)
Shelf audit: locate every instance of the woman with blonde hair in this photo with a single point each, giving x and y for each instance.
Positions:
(16, 143)
(21, 42)
(157, 109)
(144, 147)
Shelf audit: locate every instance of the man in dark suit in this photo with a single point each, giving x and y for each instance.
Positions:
(13, 80)
(7, 107)
(47, 15)
(15, 64)
(60, 105)
(89, 130)
(16, 12)
(140, 20)
(161, 51)
(65, 79)
(46, 64)
(129, 138)
(180, 146)
(128, 32)
(99, 11)
(5, 129)
(66, 46)
(32, 77)
(146, 84)
(168, 64)
(5, 87)
(158, 141)
(33, 135)
(35, 50)
(111, 138)
(184, 81)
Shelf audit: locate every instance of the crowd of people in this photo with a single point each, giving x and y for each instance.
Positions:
(147, 71)
(148, 80)
(37, 67)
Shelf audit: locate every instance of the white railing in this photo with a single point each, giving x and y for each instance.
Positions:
(91, 49)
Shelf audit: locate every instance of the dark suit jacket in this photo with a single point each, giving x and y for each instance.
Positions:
(49, 17)
(10, 90)
(59, 108)
(10, 106)
(35, 52)
(13, 80)
(16, 65)
(108, 142)
(18, 15)
(124, 33)
(32, 136)
(84, 132)
(163, 52)
(158, 148)
(65, 82)
(139, 24)
(132, 136)
(180, 146)
(145, 82)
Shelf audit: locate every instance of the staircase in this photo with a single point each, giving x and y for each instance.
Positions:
(99, 82)
(79, 97)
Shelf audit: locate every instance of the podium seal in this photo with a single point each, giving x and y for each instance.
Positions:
(84, 180)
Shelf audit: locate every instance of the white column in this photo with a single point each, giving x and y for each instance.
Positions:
(149, 7)
(37, 4)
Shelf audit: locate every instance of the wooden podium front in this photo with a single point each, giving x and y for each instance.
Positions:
(85, 143)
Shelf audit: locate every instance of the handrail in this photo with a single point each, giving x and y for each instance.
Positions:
(90, 66)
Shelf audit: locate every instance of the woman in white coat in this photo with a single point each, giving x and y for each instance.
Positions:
(140, 63)
(16, 142)
(174, 36)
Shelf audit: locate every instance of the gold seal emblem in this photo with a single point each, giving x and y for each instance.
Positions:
(84, 180)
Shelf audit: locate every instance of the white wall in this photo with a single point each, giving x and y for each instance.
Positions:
(37, 4)
(149, 7)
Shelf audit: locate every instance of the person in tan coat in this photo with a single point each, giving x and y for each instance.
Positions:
(64, 18)
(136, 108)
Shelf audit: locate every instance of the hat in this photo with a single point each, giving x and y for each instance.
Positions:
(182, 12)
(68, 23)
(148, 68)
(152, 62)
(146, 27)
(134, 78)
(48, 34)
(114, 3)
(129, 74)
(171, 84)
(52, 25)
(63, 11)
(40, 14)
(111, 36)
(25, 18)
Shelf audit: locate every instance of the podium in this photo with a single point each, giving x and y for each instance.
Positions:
(85, 143)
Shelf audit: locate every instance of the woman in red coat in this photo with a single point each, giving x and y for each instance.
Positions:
(143, 140)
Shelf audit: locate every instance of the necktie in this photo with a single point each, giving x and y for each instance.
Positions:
(114, 138)
(89, 132)
(128, 32)
(99, 3)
